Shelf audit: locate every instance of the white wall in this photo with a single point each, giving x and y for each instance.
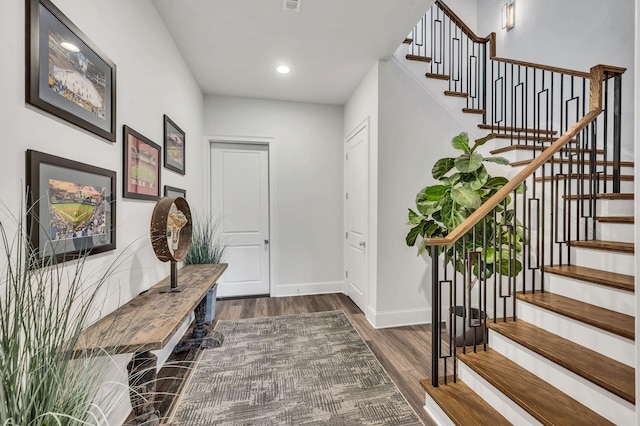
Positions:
(152, 80)
(361, 106)
(575, 34)
(307, 244)
(415, 131)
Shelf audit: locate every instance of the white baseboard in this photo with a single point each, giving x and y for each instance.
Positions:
(303, 289)
(399, 318)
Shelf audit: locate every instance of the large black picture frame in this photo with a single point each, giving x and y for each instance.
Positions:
(67, 75)
(71, 208)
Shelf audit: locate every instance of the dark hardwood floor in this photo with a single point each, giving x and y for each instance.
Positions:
(403, 351)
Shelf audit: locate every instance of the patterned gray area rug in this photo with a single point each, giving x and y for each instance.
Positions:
(311, 369)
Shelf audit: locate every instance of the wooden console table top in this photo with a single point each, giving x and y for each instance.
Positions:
(149, 320)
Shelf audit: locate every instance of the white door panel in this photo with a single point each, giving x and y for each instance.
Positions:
(357, 164)
(240, 196)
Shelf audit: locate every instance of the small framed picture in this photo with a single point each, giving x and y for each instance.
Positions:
(141, 166)
(174, 146)
(71, 208)
(173, 192)
(67, 75)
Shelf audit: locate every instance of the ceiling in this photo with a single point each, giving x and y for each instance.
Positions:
(233, 47)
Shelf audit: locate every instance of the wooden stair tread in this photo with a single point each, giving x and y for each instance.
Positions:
(607, 196)
(617, 246)
(407, 40)
(615, 219)
(597, 276)
(604, 319)
(516, 147)
(625, 178)
(473, 111)
(456, 94)
(544, 402)
(498, 129)
(566, 161)
(437, 76)
(462, 404)
(418, 58)
(612, 375)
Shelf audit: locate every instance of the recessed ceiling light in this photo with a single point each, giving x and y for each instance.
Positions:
(283, 69)
(70, 46)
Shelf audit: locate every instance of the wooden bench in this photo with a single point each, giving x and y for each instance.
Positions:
(147, 322)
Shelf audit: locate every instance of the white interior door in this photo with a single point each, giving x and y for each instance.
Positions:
(357, 164)
(240, 196)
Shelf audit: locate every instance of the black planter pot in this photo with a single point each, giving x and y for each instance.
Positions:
(474, 334)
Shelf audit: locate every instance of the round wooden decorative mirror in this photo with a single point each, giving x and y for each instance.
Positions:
(171, 231)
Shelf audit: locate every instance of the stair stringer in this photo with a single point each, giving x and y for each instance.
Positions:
(435, 89)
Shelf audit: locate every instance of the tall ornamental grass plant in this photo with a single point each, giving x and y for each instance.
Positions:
(207, 245)
(43, 380)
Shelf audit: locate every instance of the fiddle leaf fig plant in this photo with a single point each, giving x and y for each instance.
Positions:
(464, 185)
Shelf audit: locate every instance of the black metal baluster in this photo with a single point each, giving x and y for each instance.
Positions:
(617, 131)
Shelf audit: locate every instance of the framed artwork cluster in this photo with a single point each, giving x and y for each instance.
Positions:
(72, 205)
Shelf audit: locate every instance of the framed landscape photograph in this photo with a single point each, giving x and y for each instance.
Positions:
(174, 146)
(71, 208)
(141, 166)
(173, 192)
(66, 74)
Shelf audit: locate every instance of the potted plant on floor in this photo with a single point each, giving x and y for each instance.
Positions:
(464, 185)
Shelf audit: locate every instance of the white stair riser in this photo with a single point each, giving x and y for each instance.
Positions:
(435, 412)
(623, 232)
(615, 207)
(591, 293)
(603, 402)
(505, 406)
(622, 263)
(608, 344)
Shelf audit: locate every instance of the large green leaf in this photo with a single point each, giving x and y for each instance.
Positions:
(468, 163)
(426, 207)
(482, 141)
(481, 178)
(497, 160)
(496, 182)
(433, 230)
(435, 192)
(413, 235)
(461, 142)
(466, 198)
(442, 167)
(509, 269)
(414, 218)
(452, 214)
(455, 178)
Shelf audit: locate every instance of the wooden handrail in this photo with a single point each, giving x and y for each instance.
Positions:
(459, 22)
(513, 184)
(491, 39)
(567, 71)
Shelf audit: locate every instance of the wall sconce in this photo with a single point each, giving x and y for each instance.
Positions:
(508, 16)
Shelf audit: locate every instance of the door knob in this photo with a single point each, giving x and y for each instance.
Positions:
(362, 244)
(266, 242)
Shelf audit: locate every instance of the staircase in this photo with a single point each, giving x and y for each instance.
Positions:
(561, 336)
